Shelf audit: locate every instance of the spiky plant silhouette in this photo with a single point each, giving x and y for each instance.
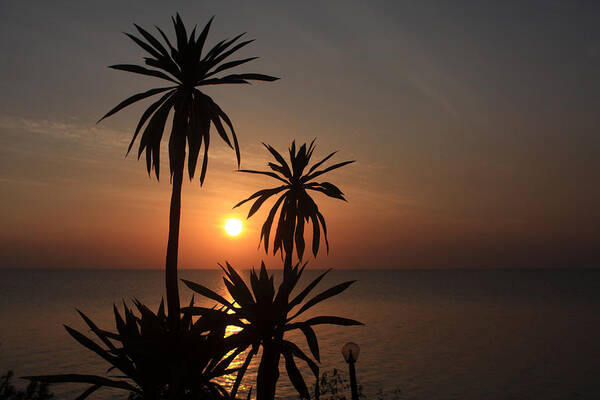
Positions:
(152, 361)
(262, 311)
(187, 68)
(297, 206)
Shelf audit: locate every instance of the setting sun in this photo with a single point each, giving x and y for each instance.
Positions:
(233, 226)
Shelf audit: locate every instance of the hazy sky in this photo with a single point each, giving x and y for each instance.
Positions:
(475, 125)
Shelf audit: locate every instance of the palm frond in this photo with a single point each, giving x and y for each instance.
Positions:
(136, 69)
(312, 176)
(297, 206)
(334, 291)
(136, 97)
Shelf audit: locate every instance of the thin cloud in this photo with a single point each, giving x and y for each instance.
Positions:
(85, 134)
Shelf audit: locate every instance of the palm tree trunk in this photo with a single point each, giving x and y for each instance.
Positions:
(268, 372)
(173, 243)
(287, 267)
(288, 259)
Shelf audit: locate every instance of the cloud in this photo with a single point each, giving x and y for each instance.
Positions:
(27, 182)
(56, 140)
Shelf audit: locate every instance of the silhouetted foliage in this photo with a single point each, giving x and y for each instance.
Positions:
(187, 68)
(33, 391)
(262, 312)
(152, 362)
(334, 385)
(297, 206)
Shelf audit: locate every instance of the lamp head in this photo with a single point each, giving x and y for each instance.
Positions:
(350, 352)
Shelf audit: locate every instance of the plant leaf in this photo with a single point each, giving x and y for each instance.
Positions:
(261, 193)
(242, 372)
(135, 98)
(152, 40)
(136, 69)
(271, 174)
(79, 378)
(265, 231)
(287, 172)
(311, 339)
(97, 331)
(323, 320)
(333, 291)
(204, 291)
(300, 354)
(149, 111)
(228, 65)
(315, 174)
(250, 77)
(295, 375)
(298, 299)
(317, 165)
(225, 118)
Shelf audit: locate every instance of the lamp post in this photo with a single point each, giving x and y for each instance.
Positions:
(350, 352)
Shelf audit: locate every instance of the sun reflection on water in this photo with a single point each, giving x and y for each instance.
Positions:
(228, 380)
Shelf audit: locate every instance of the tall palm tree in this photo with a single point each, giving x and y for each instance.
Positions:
(297, 206)
(186, 69)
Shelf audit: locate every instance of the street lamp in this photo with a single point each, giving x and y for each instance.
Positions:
(350, 352)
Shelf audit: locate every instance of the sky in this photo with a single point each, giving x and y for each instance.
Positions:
(475, 126)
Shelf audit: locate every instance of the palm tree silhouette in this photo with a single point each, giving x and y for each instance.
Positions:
(187, 70)
(262, 311)
(297, 206)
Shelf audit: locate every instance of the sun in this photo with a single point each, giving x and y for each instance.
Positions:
(233, 226)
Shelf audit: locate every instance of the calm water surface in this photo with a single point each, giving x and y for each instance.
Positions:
(432, 334)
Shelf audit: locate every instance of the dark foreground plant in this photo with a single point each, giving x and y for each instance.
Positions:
(334, 385)
(152, 362)
(187, 68)
(262, 313)
(33, 391)
(297, 206)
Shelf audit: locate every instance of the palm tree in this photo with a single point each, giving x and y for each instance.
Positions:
(297, 206)
(186, 69)
(262, 311)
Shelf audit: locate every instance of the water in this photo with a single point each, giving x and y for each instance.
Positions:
(432, 334)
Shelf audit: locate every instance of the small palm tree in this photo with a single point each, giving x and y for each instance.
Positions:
(186, 69)
(154, 362)
(271, 320)
(297, 206)
(262, 311)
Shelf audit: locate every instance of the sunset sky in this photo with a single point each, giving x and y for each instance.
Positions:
(475, 126)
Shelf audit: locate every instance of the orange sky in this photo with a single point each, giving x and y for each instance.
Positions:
(475, 135)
